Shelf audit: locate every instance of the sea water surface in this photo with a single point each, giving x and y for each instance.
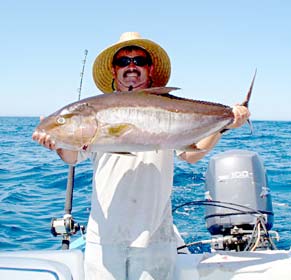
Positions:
(33, 184)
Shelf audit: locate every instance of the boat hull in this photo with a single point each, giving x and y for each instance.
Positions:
(63, 265)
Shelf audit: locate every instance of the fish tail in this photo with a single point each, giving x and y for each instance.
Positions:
(246, 102)
(248, 97)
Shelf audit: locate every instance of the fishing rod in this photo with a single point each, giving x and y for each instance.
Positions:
(71, 174)
(66, 226)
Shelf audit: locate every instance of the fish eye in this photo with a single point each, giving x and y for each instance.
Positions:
(61, 120)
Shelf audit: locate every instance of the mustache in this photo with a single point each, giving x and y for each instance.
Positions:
(129, 71)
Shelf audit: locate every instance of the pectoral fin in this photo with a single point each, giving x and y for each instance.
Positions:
(122, 154)
(118, 129)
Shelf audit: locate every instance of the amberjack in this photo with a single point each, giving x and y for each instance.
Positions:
(134, 121)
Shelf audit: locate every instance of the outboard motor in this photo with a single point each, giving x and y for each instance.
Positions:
(238, 193)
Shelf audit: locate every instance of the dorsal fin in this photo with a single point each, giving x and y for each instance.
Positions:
(158, 90)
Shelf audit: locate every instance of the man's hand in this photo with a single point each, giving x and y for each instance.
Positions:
(241, 115)
(44, 140)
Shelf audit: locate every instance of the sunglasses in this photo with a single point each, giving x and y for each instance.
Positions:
(124, 61)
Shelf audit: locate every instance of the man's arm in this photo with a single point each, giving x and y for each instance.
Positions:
(67, 156)
(205, 145)
(241, 115)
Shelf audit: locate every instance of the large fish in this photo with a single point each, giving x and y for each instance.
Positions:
(144, 120)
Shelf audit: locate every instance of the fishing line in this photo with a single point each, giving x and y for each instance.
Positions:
(220, 204)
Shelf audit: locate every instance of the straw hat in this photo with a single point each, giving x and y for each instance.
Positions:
(102, 67)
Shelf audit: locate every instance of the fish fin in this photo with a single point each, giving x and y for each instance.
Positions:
(118, 129)
(159, 90)
(122, 154)
(251, 126)
(246, 102)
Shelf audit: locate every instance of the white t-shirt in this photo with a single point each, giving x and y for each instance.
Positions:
(131, 198)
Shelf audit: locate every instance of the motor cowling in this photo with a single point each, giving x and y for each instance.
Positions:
(236, 177)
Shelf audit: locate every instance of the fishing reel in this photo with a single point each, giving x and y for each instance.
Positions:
(65, 226)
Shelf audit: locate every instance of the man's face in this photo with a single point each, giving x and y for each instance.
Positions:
(135, 75)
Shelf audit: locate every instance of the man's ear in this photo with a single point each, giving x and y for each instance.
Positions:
(113, 72)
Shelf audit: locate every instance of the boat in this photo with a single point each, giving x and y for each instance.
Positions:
(238, 215)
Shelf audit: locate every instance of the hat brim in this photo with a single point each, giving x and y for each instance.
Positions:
(102, 67)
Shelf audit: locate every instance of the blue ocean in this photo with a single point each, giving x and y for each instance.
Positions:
(33, 184)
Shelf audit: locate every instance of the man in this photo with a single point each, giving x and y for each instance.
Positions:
(130, 230)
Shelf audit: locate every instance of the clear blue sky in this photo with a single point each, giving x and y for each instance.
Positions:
(214, 46)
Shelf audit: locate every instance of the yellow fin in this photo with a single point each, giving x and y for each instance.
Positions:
(118, 129)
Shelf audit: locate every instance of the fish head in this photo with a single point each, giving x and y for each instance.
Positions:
(72, 127)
